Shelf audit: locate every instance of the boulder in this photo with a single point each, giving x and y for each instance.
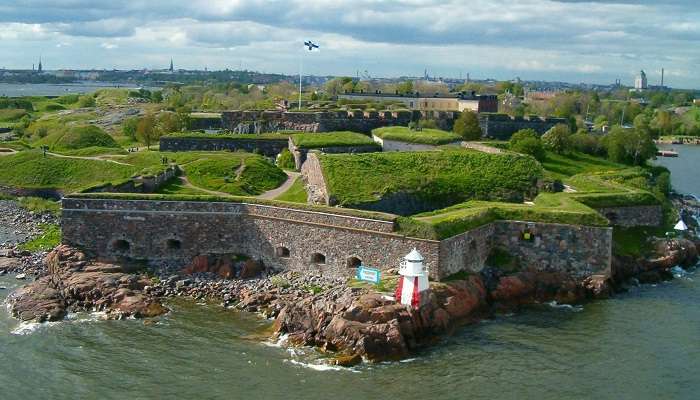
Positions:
(250, 269)
(75, 284)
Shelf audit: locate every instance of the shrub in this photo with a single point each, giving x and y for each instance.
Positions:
(526, 141)
(54, 107)
(427, 124)
(86, 101)
(285, 159)
(557, 139)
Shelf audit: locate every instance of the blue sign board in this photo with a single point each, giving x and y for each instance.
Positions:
(368, 274)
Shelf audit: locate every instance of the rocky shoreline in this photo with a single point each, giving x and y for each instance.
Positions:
(354, 321)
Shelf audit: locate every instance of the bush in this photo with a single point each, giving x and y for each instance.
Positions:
(54, 107)
(467, 126)
(86, 101)
(557, 139)
(526, 141)
(427, 124)
(285, 159)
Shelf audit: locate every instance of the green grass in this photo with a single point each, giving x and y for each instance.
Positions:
(231, 136)
(18, 145)
(451, 221)
(40, 205)
(235, 173)
(563, 166)
(94, 151)
(238, 199)
(29, 169)
(12, 114)
(78, 137)
(295, 194)
(175, 186)
(332, 139)
(433, 137)
(435, 178)
(633, 242)
(50, 238)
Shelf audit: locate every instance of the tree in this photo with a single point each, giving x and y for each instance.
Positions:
(147, 130)
(526, 141)
(586, 143)
(285, 160)
(170, 122)
(405, 87)
(629, 146)
(467, 125)
(662, 123)
(557, 139)
(129, 127)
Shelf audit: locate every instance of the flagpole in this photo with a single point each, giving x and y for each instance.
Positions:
(300, 60)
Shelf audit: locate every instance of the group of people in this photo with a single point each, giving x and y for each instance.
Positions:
(132, 149)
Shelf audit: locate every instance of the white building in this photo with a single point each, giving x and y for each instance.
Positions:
(640, 83)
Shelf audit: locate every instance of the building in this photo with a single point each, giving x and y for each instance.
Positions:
(640, 83)
(438, 102)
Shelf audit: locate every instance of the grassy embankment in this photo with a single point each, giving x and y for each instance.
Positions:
(231, 136)
(598, 183)
(445, 177)
(332, 139)
(295, 194)
(234, 173)
(434, 137)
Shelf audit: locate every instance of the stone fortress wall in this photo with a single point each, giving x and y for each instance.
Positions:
(319, 242)
(502, 126)
(493, 126)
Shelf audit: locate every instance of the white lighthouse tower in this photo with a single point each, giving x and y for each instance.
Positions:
(413, 288)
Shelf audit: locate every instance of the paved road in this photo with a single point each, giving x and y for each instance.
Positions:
(271, 194)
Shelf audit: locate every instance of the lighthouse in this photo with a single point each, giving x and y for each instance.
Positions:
(413, 288)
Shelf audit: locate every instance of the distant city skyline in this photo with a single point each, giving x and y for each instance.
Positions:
(570, 41)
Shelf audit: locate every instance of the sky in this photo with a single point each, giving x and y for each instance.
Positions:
(595, 41)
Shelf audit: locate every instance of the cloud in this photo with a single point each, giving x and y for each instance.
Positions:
(575, 40)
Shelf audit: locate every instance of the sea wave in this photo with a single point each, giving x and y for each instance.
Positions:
(320, 367)
(27, 328)
(575, 308)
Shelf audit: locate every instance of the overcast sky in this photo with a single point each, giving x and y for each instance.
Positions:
(575, 41)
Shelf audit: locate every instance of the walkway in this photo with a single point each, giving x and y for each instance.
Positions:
(272, 194)
(95, 158)
(186, 183)
(269, 195)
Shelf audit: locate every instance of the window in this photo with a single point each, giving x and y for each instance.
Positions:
(282, 252)
(354, 262)
(121, 246)
(318, 258)
(173, 244)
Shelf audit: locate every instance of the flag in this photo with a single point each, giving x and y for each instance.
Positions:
(311, 46)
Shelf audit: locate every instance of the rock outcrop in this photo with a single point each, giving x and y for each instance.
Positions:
(75, 284)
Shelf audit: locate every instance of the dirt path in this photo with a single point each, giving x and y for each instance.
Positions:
(188, 184)
(271, 194)
(6, 152)
(88, 158)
